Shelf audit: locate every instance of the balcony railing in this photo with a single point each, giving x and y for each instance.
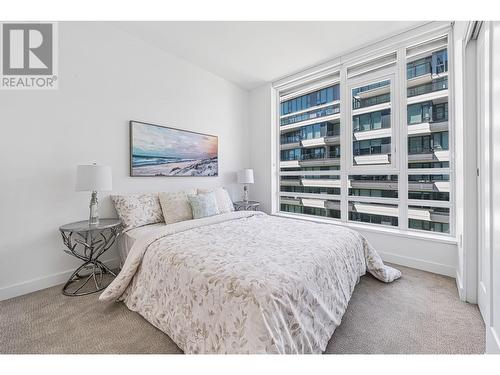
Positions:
(328, 155)
(373, 150)
(426, 68)
(333, 133)
(317, 113)
(299, 137)
(294, 139)
(305, 157)
(384, 124)
(438, 85)
(368, 102)
(430, 117)
(370, 87)
(418, 70)
(424, 150)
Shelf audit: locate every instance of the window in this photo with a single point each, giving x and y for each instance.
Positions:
(427, 112)
(374, 213)
(318, 103)
(428, 143)
(372, 121)
(429, 187)
(420, 112)
(440, 112)
(426, 88)
(419, 68)
(382, 186)
(384, 160)
(429, 218)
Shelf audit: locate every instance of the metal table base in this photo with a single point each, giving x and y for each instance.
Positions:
(88, 244)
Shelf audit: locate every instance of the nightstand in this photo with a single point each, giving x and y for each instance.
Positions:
(88, 242)
(246, 206)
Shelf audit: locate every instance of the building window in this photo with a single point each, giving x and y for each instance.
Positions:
(418, 113)
(429, 218)
(419, 68)
(427, 112)
(371, 123)
(372, 147)
(315, 136)
(426, 88)
(319, 103)
(381, 186)
(428, 143)
(373, 213)
(428, 146)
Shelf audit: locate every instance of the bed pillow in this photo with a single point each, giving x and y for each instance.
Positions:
(203, 205)
(138, 209)
(175, 206)
(224, 202)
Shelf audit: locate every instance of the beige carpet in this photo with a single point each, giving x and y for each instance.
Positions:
(420, 313)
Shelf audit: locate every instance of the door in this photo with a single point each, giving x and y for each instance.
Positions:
(483, 179)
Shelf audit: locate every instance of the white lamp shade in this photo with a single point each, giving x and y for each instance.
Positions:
(93, 178)
(245, 176)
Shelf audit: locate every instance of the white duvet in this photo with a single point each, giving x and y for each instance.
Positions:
(246, 282)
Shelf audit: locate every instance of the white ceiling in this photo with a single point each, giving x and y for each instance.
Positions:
(252, 53)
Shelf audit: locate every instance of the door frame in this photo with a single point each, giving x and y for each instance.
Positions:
(483, 164)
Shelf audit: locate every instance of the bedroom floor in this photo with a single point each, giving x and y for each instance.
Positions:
(420, 313)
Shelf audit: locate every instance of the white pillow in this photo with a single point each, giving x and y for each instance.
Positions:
(175, 206)
(137, 210)
(224, 202)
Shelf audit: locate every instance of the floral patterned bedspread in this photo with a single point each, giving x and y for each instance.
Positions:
(246, 282)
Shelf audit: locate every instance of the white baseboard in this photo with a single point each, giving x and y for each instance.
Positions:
(44, 282)
(59, 278)
(492, 341)
(460, 287)
(424, 265)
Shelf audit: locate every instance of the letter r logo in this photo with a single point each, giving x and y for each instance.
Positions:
(27, 49)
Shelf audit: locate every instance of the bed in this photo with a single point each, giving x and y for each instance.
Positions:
(127, 238)
(245, 282)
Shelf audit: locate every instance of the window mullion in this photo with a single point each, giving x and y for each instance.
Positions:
(344, 144)
(403, 139)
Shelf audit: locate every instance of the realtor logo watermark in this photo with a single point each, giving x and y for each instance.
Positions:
(28, 56)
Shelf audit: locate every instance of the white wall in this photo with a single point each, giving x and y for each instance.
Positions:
(260, 145)
(107, 77)
(420, 253)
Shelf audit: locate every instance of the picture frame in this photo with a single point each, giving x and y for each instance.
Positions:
(162, 151)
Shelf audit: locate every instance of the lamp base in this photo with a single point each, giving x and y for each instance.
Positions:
(94, 209)
(245, 193)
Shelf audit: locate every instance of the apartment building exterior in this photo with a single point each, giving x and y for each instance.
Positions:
(310, 148)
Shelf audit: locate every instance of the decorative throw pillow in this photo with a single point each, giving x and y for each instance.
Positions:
(224, 202)
(175, 206)
(138, 210)
(203, 205)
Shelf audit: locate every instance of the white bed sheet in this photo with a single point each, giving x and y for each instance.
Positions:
(127, 239)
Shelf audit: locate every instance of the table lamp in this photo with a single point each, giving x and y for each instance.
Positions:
(93, 178)
(245, 177)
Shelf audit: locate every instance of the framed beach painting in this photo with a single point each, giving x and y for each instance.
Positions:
(162, 151)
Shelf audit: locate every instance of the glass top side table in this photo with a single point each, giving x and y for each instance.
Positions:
(87, 243)
(246, 205)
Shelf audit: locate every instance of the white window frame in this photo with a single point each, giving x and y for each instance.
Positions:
(397, 45)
